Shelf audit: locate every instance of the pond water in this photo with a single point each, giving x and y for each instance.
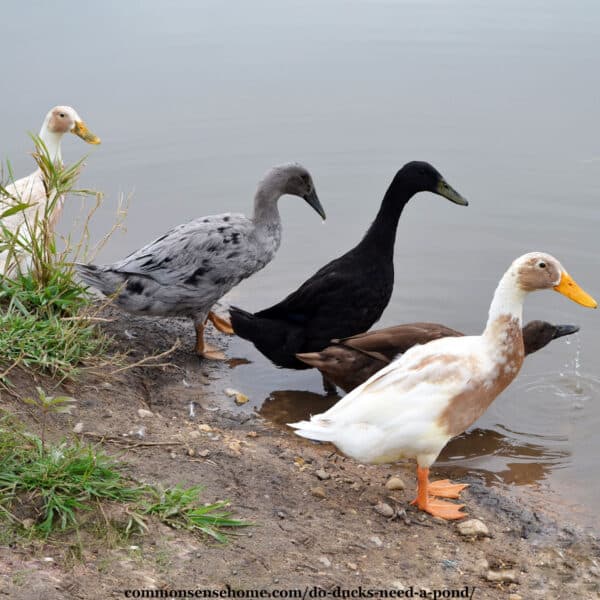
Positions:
(195, 101)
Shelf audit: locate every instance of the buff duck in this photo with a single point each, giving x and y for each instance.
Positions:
(187, 270)
(434, 392)
(349, 294)
(31, 190)
(349, 362)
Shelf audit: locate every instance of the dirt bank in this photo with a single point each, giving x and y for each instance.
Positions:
(318, 516)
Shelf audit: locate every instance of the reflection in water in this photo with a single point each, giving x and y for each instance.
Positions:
(500, 456)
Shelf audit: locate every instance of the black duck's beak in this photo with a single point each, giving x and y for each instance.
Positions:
(313, 200)
(444, 189)
(565, 330)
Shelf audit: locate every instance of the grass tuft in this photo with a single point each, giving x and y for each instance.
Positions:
(54, 483)
(44, 325)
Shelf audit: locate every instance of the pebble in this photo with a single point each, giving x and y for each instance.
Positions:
(318, 492)
(239, 397)
(394, 483)
(322, 474)
(204, 427)
(473, 528)
(204, 453)
(78, 427)
(143, 413)
(376, 540)
(515, 597)
(325, 562)
(28, 523)
(384, 510)
(506, 575)
(191, 452)
(173, 455)
(352, 566)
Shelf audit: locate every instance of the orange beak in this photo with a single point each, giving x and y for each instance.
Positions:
(567, 287)
(80, 129)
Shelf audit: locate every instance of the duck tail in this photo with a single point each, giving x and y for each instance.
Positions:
(244, 323)
(314, 359)
(314, 430)
(101, 278)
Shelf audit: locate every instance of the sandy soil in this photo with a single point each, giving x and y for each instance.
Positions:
(317, 515)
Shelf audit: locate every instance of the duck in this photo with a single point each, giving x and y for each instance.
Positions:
(351, 361)
(31, 190)
(349, 294)
(412, 407)
(184, 272)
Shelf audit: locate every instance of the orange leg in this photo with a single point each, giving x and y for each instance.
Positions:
(223, 325)
(426, 502)
(206, 350)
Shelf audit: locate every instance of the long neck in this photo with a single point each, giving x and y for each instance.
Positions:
(52, 142)
(382, 233)
(507, 305)
(266, 213)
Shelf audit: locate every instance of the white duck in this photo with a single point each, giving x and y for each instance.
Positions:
(434, 392)
(31, 189)
(187, 270)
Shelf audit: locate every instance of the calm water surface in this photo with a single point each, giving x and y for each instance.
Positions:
(194, 101)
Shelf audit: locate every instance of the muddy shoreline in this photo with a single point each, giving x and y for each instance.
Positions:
(320, 519)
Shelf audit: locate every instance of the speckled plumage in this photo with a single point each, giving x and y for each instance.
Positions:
(185, 271)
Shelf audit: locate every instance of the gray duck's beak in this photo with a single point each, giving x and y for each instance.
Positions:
(313, 201)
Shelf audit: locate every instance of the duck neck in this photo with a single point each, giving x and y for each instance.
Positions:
(266, 213)
(52, 142)
(506, 310)
(382, 233)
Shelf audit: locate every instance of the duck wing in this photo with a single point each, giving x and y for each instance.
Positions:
(387, 343)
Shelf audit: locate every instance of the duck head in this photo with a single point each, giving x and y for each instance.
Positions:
(538, 334)
(420, 176)
(294, 179)
(541, 271)
(61, 120)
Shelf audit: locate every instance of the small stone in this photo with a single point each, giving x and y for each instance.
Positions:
(239, 397)
(375, 539)
(515, 597)
(385, 510)
(78, 427)
(191, 452)
(173, 455)
(205, 427)
(473, 528)
(28, 523)
(506, 575)
(394, 483)
(144, 414)
(48, 559)
(318, 492)
(281, 514)
(107, 414)
(252, 434)
(322, 474)
(482, 566)
(204, 453)
(352, 566)
(325, 562)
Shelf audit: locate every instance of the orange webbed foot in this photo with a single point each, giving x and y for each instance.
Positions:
(444, 488)
(223, 325)
(444, 510)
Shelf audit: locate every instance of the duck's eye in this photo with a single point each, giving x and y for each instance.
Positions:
(62, 115)
(542, 265)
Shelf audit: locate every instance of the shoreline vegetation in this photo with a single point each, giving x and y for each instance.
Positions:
(116, 457)
(48, 329)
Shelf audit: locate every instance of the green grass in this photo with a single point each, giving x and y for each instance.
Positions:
(60, 481)
(43, 322)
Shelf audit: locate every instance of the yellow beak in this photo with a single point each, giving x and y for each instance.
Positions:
(567, 287)
(84, 133)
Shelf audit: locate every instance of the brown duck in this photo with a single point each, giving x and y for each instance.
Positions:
(351, 361)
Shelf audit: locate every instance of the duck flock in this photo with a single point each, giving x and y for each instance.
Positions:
(410, 388)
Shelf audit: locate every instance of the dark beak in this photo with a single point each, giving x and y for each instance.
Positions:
(444, 189)
(565, 330)
(313, 200)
